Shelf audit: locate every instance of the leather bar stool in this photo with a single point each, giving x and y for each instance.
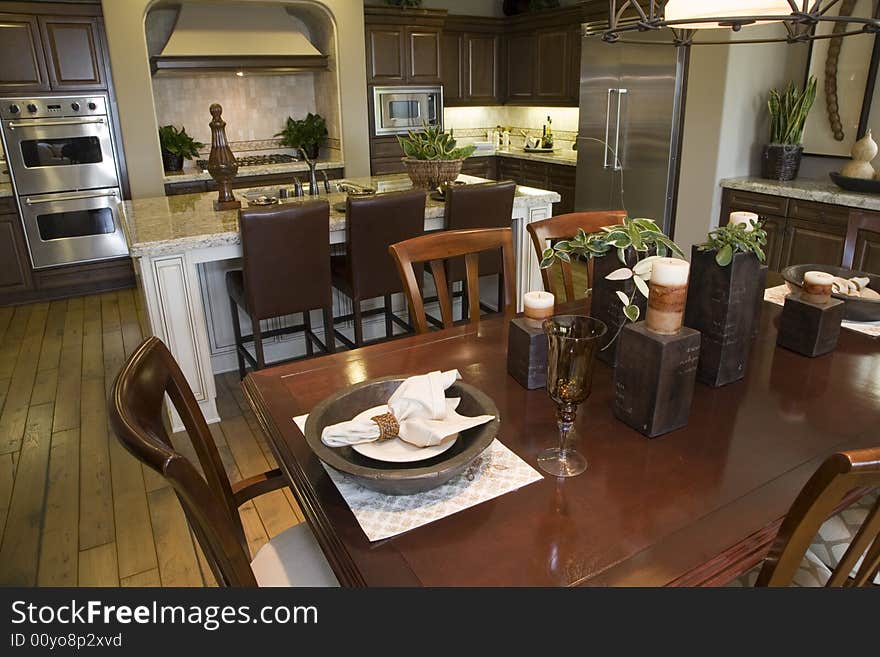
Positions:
(286, 270)
(485, 205)
(367, 271)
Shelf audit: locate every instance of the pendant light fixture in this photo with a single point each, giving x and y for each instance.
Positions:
(799, 19)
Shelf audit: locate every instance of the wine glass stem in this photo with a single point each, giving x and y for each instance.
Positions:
(565, 421)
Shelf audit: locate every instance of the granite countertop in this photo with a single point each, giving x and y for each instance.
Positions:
(822, 191)
(192, 173)
(564, 156)
(5, 190)
(171, 224)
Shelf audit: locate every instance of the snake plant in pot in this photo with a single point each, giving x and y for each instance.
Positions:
(781, 158)
(433, 157)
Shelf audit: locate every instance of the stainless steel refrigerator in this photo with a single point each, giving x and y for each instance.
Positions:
(632, 100)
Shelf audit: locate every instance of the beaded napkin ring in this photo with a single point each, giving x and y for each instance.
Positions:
(388, 426)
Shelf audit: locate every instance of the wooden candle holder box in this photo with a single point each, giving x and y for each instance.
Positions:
(808, 328)
(654, 379)
(721, 305)
(527, 352)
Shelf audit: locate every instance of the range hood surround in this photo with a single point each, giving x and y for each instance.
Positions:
(216, 38)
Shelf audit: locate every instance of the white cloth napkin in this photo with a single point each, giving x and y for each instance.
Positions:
(422, 410)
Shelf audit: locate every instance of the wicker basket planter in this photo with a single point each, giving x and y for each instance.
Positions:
(428, 174)
(781, 161)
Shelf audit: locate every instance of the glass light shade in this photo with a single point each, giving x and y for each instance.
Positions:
(677, 10)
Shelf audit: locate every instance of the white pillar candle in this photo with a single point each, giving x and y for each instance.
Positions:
(747, 219)
(668, 294)
(538, 305)
(817, 287)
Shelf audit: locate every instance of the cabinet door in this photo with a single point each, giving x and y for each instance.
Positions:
(520, 67)
(510, 169)
(385, 54)
(534, 174)
(775, 228)
(866, 256)
(73, 51)
(552, 78)
(481, 75)
(15, 268)
(573, 94)
(812, 243)
(451, 67)
(423, 55)
(561, 179)
(22, 64)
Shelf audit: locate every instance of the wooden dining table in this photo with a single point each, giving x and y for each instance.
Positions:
(697, 506)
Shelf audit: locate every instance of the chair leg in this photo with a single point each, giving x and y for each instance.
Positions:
(329, 339)
(389, 323)
(236, 330)
(500, 305)
(258, 344)
(358, 325)
(307, 325)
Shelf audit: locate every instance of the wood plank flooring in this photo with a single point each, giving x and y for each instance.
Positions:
(75, 507)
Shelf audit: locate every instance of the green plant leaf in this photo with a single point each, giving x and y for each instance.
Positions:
(632, 312)
(641, 286)
(547, 262)
(548, 253)
(724, 255)
(562, 255)
(622, 274)
(621, 255)
(623, 298)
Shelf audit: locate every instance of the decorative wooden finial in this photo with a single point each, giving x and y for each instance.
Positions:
(221, 161)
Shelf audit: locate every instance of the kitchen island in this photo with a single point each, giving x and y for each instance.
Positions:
(182, 249)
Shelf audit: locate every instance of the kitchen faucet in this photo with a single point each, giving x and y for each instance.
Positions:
(313, 181)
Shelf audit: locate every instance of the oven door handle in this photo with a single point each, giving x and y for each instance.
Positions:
(70, 197)
(40, 124)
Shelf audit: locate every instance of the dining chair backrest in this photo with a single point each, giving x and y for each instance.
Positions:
(374, 222)
(821, 496)
(565, 226)
(860, 223)
(286, 258)
(483, 205)
(136, 410)
(435, 248)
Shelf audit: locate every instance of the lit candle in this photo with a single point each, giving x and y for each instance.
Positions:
(668, 294)
(817, 287)
(747, 219)
(538, 305)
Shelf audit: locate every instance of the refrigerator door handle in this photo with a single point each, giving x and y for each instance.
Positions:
(618, 165)
(607, 130)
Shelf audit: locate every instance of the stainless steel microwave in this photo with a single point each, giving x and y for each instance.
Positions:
(400, 109)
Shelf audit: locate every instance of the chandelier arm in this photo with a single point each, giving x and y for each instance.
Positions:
(738, 42)
(635, 5)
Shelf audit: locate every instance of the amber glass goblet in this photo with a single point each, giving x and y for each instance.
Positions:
(572, 343)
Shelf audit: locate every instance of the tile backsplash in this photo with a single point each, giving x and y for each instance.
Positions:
(471, 123)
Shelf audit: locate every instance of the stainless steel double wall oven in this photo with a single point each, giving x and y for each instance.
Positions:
(65, 173)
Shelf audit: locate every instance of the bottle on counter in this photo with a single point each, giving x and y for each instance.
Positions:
(505, 140)
(547, 139)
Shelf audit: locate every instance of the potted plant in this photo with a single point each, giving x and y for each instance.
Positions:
(432, 157)
(622, 255)
(309, 134)
(781, 159)
(724, 299)
(176, 147)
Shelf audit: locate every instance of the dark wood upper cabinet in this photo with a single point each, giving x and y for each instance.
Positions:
(520, 67)
(22, 64)
(73, 52)
(553, 60)
(423, 55)
(481, 70)
(451, 67)
(385, 54)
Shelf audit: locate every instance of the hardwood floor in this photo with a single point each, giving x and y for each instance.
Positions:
(75, 507)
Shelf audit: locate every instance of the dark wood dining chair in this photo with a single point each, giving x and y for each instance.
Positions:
(565, 226)
(841, 475)
(483, 205)
(435, 249)
(209, 500)
(285, 271)
(366, 271)
(859, 240)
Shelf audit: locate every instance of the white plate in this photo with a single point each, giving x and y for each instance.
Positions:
(397, 450)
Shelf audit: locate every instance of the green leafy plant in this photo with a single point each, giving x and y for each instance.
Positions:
(309, 133)
(178, 143)
(788, 112)
(644, 236)
(433, 144)
(731, 239)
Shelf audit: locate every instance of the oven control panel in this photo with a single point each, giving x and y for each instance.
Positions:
(52, 106)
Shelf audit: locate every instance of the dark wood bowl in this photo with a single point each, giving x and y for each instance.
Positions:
(397, 478)
(861, 185)
(856, 310)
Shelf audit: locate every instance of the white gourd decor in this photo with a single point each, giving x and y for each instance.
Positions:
(863, 151)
